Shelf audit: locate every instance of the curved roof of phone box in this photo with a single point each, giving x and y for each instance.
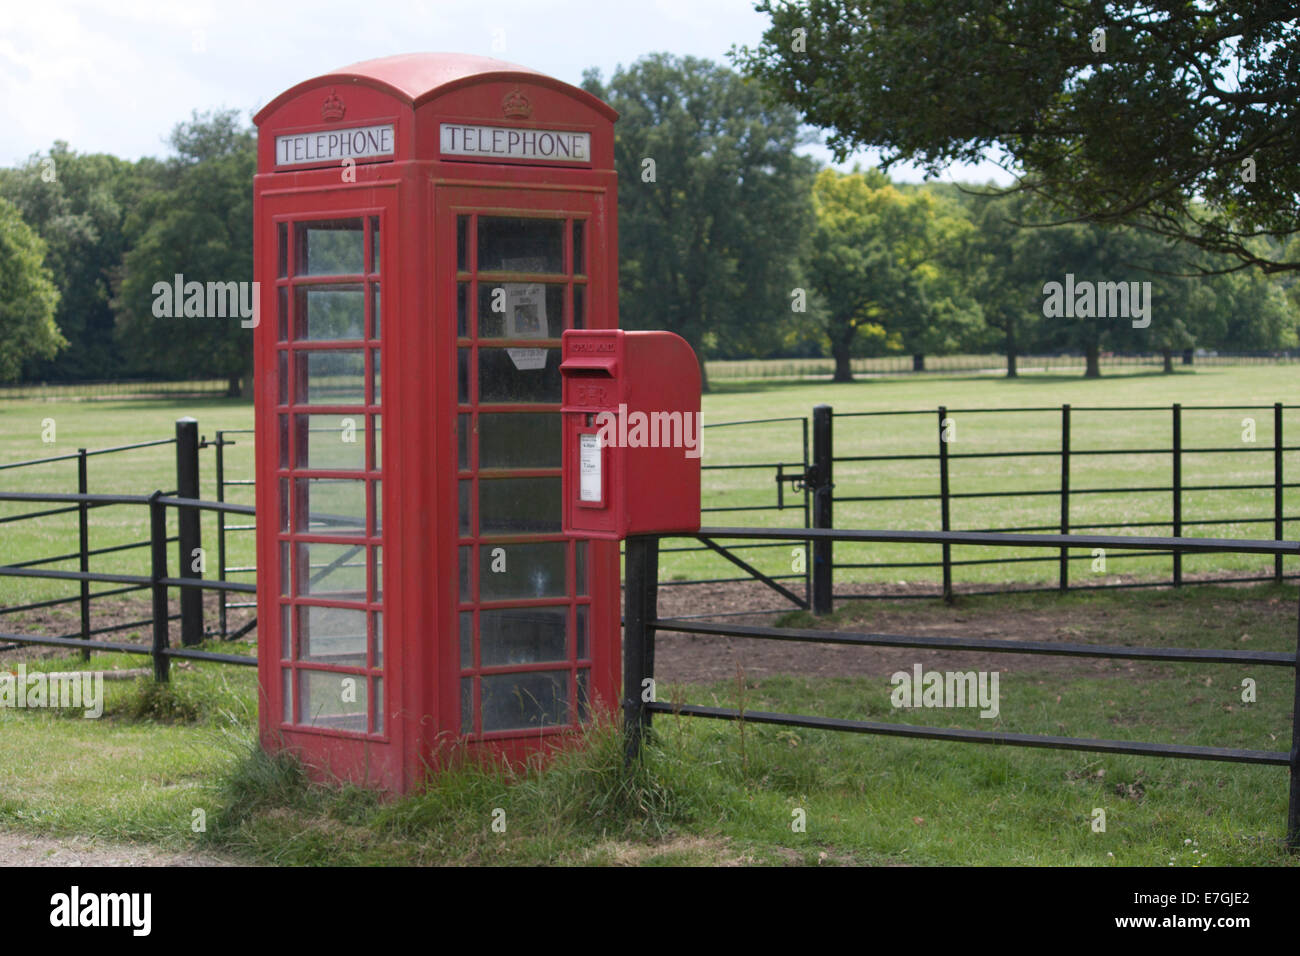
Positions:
(418, 77)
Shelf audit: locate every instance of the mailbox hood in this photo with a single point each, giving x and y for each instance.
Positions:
(418, 77)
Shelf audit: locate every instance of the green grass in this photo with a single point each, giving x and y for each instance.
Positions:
(712, 791)
(103, 423)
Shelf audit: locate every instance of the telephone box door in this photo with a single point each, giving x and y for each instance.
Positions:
(320, 345)
(537, 644)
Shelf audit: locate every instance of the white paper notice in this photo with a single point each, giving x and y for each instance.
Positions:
(589, 484)
(525, 304)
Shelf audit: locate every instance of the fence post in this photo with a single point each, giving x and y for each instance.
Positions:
(1277, 487)
(823, 556)
(1178, 490)
(943, 505)
(640, 608)
(221, 532)
(188, 524)
(1293, 802)
(158, 571)
(1065, 494)
(83, 545)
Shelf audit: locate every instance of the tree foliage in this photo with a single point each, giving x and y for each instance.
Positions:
(28, 297)
(713, 203)
(1177, 117)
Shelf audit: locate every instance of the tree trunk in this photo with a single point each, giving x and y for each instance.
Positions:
(1169, 360)
(918, 361)
(843, 365)
(1093, 358)
(233, 389)
(704, 374)
(1187, 356)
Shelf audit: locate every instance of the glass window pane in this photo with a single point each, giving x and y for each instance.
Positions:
(282, 244)
(378, 490)
(466, 640)
(462, 243)
(579, 306)
(329, 313)
(336, 377)
(462, 309)
(374, 243)
(519, 375)
(579, 259)
(333, 571)
(463, 425)
(286, 690)
(463, 508)
(377, 573)
(519, 701)
(533, 570)
(520, 310)
(521, 635)
(283, 369)
(465, 556)
(519, 440)
(375, 299)
(581, 618)
(519, 505)
(379, 706)
(332, 701)
(520, 245)
(377, 636)
(467, 705)
(332, 635)
(330, 248)
(282, 313)
(330, 442)
(376, 394)
(330, 506)
(286, 632)
(462, 376)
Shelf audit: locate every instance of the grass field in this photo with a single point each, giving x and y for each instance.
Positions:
(713, 792)
(103, 423)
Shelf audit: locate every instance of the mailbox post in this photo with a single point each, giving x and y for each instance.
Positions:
(427, 227)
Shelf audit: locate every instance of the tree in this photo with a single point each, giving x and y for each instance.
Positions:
(196, 221)
(77, 203)
(28, 296)
(876, 264)
(1180, 118)
(713, 203)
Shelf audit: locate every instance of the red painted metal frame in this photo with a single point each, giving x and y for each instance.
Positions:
(417, 195)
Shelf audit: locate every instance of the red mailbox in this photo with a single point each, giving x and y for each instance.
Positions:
(632, 439)
(443, 219)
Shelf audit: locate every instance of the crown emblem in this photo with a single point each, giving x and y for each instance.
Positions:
(332, 109)
(516, 106)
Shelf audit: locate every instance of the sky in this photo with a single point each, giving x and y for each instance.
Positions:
(115, 76)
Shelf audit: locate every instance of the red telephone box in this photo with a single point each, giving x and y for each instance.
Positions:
(442, 220)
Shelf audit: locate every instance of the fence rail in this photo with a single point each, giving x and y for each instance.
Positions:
(158, 581)
(641, 623)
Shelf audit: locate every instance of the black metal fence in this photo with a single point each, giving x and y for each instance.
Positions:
(641, 623)
(158, 581)
(835, 495)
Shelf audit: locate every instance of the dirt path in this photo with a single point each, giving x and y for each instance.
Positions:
(22, 849)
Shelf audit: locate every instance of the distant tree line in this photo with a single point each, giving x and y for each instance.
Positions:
(728, 236)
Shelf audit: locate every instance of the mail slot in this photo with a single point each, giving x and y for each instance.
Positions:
(632, 433)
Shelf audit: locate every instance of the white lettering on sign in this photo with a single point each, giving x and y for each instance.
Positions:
(330, 146)
(500, 142)
(589, 468)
